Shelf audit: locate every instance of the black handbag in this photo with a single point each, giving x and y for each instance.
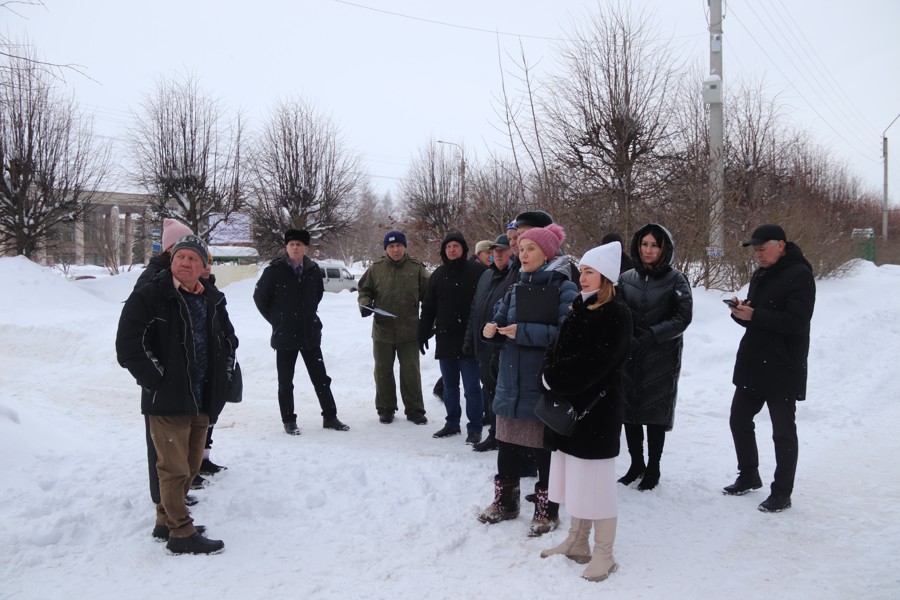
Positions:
(236, 385)
(559, 415)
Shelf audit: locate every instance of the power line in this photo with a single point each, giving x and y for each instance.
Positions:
(493, 32)
(828, 87)
(812, 107)
(803, 74)
(818, 61)
(454, 25)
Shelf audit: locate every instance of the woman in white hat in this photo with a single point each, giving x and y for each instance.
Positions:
(584, 366)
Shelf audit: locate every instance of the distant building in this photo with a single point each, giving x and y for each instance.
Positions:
(119, 229)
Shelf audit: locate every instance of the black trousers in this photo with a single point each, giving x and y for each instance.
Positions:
(510, 459)
(488, 388)
(746, 405)
(286, 362)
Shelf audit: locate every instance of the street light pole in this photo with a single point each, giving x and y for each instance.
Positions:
(884, 213)
(462, 175)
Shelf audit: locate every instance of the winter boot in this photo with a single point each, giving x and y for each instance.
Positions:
(546, 513)
(651, 476)
(575, 547)
(489, 443)
(747, 481)
(194, 544)
(602, 564)
(634, 471)
(506, 501)
(634, 437)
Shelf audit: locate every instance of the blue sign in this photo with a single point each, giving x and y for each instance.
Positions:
(157, 247)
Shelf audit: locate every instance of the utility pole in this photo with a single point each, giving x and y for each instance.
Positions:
(713, 95)
(884, 150)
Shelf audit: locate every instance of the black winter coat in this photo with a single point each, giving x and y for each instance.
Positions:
(490, 289)
(290, 303)
(154, 266)
(445, 310)
(661, 309)
(584, 363)
(771, 359)
(155, 343)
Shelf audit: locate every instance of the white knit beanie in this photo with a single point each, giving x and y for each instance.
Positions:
(605, 259)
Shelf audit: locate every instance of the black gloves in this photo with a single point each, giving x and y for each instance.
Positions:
(423, 345)
(365, 310)
(466, 348)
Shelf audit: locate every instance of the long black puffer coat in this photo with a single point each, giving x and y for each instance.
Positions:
(154, 342)
(771, 359)
(661, 309)
(583, 364)
(290, 303)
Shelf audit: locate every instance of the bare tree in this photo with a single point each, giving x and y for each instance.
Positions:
(609, 112)
(432, 194)
(496, 196)
(51, 163)
(187, 156)
(303, 176)
(13, 50)
(362, 240)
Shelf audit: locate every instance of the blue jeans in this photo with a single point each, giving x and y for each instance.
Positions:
(451, 369)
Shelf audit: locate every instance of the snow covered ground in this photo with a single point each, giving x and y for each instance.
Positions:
(385, 511)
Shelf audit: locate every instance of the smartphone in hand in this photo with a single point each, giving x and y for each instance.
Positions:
(730, 302)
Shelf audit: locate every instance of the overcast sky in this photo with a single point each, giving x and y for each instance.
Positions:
(394, 73)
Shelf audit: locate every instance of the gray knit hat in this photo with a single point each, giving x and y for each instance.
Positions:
(192, 242)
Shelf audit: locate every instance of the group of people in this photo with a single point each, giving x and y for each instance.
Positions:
(516, 326)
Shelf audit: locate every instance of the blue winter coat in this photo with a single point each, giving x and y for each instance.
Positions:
(518, 388)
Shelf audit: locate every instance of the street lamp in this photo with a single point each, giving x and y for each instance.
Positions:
(462, 175)
(884, 214)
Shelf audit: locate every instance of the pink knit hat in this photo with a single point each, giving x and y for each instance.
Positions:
(172, 232)
(548, 238)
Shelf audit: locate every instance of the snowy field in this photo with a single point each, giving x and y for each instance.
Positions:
(385, 511)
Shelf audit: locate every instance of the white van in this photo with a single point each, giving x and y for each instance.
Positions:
(337, 278)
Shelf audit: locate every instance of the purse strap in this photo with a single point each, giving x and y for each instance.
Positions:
(591, 405)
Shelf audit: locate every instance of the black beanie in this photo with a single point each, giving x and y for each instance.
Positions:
(394, 237)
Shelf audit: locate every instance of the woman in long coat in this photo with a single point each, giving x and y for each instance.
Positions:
(659, 297)
(584, 367)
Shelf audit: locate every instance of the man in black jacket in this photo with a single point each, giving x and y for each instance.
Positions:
(177, 341)
(445, 314)
(771, 363)
(287, 295)
(491, 287)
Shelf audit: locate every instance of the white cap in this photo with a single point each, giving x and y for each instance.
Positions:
(605, 259)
